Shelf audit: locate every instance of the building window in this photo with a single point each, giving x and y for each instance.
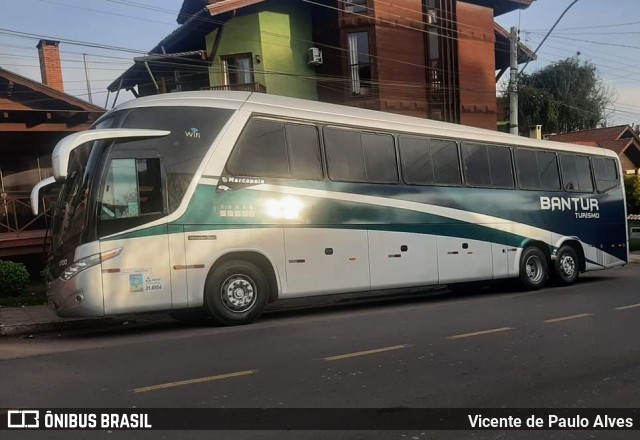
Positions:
(359, 62)
(237, 69)
(356, 6)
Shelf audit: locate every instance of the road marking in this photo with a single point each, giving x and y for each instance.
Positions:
(482, 332)
(632, 306)
(192, 381)
(567, 318)
(365, 353)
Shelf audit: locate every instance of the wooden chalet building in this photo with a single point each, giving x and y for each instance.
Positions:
(33, 118)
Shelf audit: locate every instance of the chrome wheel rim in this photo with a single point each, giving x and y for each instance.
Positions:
(533, 267)
(567, 266)
(238, 293)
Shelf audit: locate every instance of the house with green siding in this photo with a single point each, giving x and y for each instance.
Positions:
(253, 45)
(267, 48)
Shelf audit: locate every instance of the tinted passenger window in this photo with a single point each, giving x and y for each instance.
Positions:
(261, 150)
(417, 166)
(606, 173)
(274, 149)
(379, 158)
(354, 156)
(304, 151)
(476, 165)
(576, 173)
(548, 168)
(537, 170)
(446, 166)
(429, 161)
(487, 166)
(344, 155)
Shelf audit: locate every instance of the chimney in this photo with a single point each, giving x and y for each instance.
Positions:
(535, 132)
(50, 66)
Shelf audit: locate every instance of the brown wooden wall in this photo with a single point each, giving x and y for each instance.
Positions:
(401, 57)
(476, 63)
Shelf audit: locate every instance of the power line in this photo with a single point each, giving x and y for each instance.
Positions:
(550, 30)
(69, 41)
(53, 2)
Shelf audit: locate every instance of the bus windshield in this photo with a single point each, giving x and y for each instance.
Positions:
(112, 186)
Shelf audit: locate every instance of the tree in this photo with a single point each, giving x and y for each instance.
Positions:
(632, 193)
(563, 97)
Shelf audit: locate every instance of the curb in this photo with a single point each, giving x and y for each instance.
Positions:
(56, 326)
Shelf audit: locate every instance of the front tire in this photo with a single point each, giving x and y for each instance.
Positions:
(236, 293)
(566, 266)
(533, 269)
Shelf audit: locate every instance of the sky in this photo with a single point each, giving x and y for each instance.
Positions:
(606, 33)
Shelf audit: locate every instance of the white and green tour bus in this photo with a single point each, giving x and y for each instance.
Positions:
(226, 201)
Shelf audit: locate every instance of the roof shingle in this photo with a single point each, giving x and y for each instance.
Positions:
(596, 135)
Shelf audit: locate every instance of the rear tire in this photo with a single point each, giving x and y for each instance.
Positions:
(567, 267)
(533, 269)
(236, 293)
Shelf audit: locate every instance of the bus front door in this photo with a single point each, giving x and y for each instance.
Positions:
(132, 197)
(139, 279)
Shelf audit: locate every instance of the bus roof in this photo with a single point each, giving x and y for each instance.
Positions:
(340, 114)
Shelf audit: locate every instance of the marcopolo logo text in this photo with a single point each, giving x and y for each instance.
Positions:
(582, 207)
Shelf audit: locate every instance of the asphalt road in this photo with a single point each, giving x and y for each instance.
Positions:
(559, 347)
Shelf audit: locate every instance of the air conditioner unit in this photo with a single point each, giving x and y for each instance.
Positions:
(315, 56)
(432, 17)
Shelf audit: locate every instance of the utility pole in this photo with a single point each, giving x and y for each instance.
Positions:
(513, 81)
(86, 73)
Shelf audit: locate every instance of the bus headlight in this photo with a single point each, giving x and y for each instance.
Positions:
(88, 262)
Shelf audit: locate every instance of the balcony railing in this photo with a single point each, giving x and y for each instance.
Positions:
(247, 87)
(16, 216)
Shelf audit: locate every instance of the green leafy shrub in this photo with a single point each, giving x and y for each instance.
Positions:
(13, 278)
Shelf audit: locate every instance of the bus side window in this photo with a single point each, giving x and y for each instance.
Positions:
(576, 173)
(360, 156)
(379, 158)
(537, 170)
(487, 166)
(606, 173)
(268, 148)
(429, 161)
(345, 159)
(133, 188)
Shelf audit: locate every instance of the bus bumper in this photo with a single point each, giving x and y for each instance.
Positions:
(81, 296)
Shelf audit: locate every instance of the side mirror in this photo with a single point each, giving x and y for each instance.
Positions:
(35, 192)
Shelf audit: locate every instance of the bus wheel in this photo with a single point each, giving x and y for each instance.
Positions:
(566, 266)
(533, 268)
(236, 293)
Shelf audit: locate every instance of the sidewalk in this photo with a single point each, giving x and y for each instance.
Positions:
(38, 319)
